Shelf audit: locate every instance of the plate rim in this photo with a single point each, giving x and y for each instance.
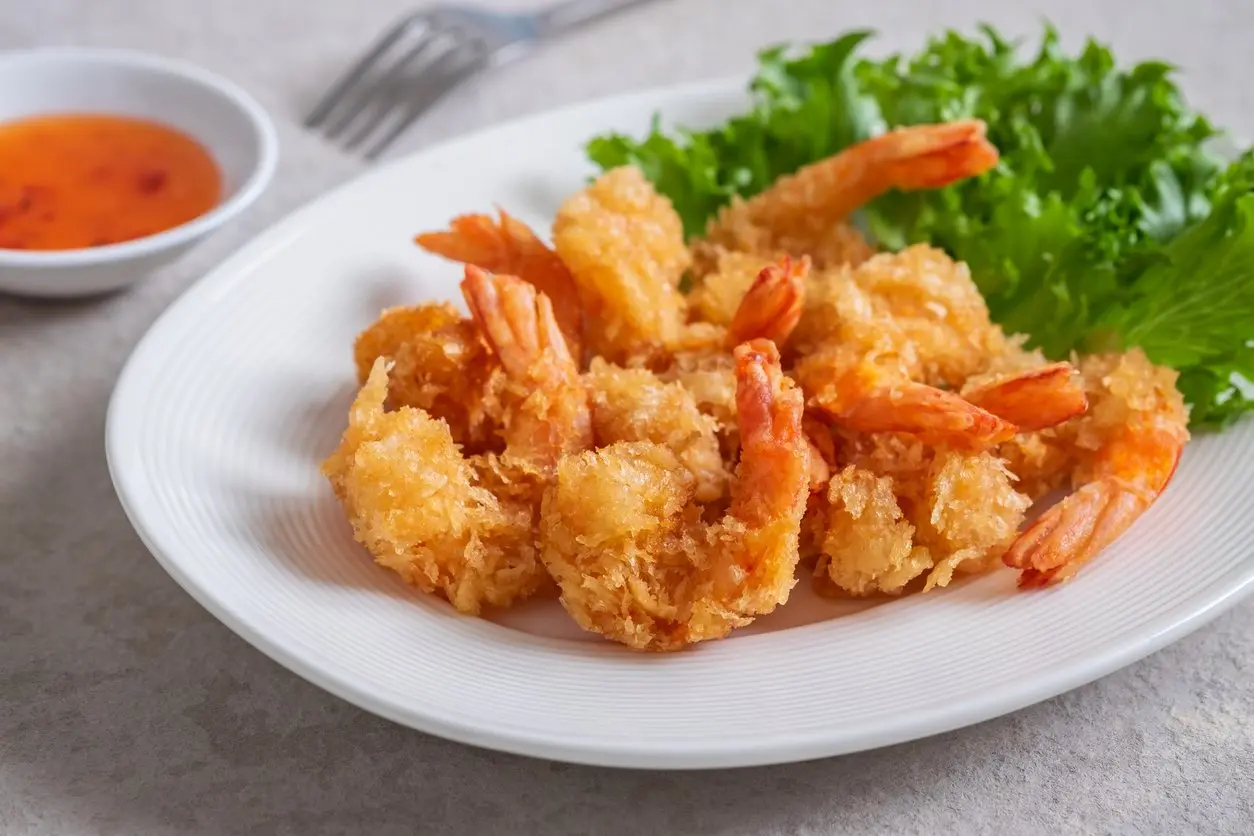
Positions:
(1154, 634)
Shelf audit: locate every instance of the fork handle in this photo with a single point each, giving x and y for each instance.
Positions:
(562, 17)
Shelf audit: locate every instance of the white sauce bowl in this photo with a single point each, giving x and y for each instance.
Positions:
(223, 118)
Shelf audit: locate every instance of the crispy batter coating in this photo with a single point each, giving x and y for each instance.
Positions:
(743, 241)
(439, 364)
(968, 514)
(636, 405)
(867, 546)
(624, 244)
(630, 549)
(901, 510)
(710, 377)
(936, 307)
(415, 504)
(717, 296)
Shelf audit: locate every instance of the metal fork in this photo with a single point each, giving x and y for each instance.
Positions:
(428, 53)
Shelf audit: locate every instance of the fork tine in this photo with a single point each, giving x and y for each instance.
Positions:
(369, 93)
(422, 102)
(394, 91)
(360, 70)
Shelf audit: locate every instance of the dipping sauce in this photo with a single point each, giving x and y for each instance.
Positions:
(72, 181)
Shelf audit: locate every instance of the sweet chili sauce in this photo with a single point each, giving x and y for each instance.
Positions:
(69, 181)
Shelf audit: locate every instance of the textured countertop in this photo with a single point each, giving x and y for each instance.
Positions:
(126, 709)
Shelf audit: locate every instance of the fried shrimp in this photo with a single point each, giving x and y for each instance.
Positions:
(464, 527)
(798, 213)
(637, 405)
(900, 510)
(702, 361)
(508, 246)
(624, 244)
(1039, 397)
(662, 459)
(1128, 446)
(439, 364)
(936, 307)
(546, 406)
(716, 298)
(857, 365)
(631, 552)
(415, 503)
(867, 546)
(868, 388)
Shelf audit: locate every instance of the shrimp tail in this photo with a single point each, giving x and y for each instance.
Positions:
(1071, 533)
(772, 306)
(774, 451)
(475, 239)
(1035, 399)
(940, 155)
(507, 245)
(934, 416)
(552, 415)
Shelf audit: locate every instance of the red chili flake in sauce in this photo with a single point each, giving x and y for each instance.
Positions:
(75, 181)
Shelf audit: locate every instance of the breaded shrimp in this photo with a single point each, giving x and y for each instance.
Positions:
(867, 546)
(637, 405)
(936, 307)
(858, 366)
(509, 246)
(1128, 446)
(624, 244)
(439, 364)
(802, 209)
(464, 527)
(702, 361)
(630, 551)
(871, 392)
(900, 511)
(716, 298)
(546, 406)
(415, 503)
(1020, 385)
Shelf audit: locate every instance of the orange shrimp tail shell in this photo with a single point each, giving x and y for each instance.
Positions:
(772, 306)
(506, 245)
(932, 415)
(945, 154)
(1035, 399)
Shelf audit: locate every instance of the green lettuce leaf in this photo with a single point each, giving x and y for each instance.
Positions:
(1107, 221)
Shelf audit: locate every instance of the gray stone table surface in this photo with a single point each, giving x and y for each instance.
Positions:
(126, 709)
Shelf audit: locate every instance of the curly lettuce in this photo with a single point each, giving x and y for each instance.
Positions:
(1108, 221)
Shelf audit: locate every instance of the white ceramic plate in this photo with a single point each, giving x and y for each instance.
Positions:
(223, 413)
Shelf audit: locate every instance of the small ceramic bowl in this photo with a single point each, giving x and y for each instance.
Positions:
(226, 120)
